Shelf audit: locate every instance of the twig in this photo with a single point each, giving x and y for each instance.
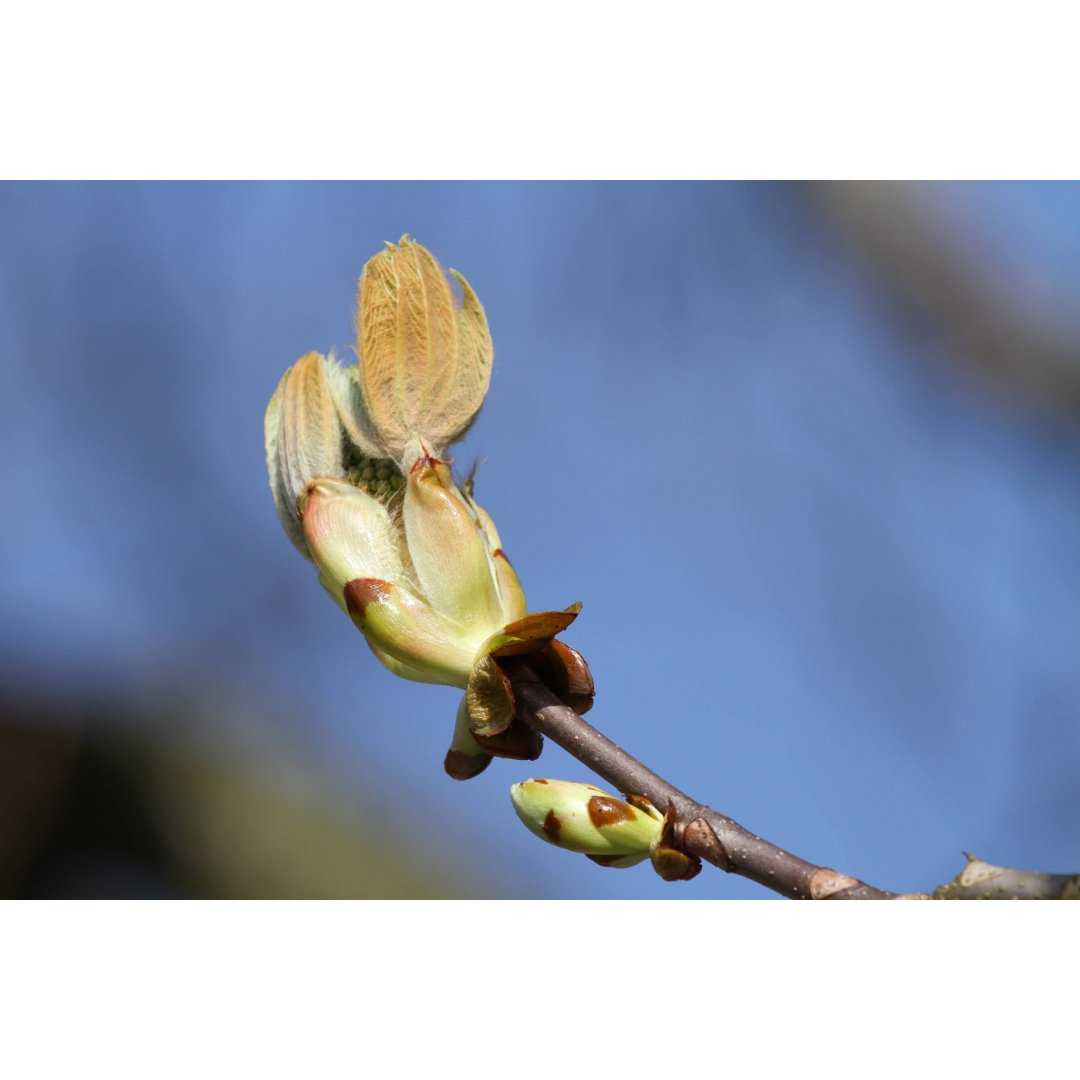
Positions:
(983, 881)
(700, 830)
(894, 227)
(717, 839)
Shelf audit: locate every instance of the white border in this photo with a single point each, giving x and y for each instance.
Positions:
(533, 989)
(563, 89)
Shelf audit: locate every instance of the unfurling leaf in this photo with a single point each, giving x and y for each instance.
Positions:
(425, 360)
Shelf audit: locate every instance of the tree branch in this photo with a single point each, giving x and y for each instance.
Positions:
(893, 225)
(699, 830)
(717, 839)
(983, 881)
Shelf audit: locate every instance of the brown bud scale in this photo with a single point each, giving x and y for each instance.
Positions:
(461, 766)
(605, 811)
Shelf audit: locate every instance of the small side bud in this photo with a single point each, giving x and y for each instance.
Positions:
(668, 858)
(674, 865)
(585, 819)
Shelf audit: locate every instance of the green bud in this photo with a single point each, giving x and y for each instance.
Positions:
(585, 819)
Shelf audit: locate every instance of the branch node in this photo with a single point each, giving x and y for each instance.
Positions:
(826, 883)
(700, 839)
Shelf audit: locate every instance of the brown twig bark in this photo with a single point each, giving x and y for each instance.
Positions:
(723, 842)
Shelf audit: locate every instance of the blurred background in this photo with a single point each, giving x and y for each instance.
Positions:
(809, 455)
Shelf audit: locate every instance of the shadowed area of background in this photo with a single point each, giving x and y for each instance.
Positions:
(809, 456)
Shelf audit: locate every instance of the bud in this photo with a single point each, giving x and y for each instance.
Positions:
(585, 819)
(355, 460)
(426, 359)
